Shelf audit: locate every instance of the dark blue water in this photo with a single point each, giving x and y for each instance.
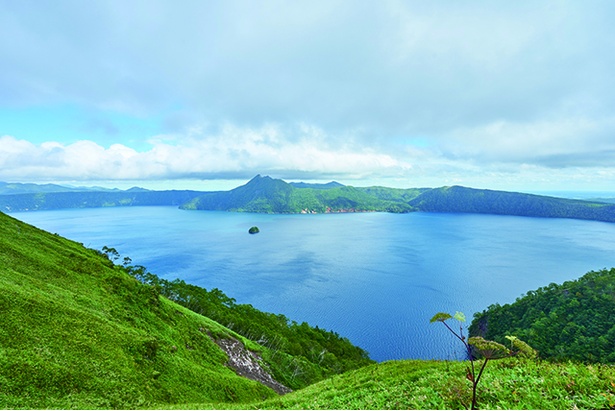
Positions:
(375, 278)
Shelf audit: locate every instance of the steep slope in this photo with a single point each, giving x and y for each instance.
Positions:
(259, 195)
(77, 332)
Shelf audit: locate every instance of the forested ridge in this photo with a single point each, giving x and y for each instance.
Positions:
(275, 196)
(268, 195)
(458, 199)
(570, 321)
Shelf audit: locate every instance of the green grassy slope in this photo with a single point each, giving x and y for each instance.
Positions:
(414, 384)
(76, 332)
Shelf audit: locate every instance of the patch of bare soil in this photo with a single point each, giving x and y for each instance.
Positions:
(247, 364)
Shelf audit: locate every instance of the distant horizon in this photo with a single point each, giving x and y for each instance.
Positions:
(225, 185)
(401, 94)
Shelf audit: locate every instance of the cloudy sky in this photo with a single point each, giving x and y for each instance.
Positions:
(204, 94)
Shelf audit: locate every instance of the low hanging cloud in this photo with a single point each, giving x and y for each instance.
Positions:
(237, 152)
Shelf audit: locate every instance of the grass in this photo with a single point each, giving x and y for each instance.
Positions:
(78, 333)
(417, 384)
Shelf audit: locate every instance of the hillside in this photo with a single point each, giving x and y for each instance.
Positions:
(468, 200)
(77, 331)
(573, 320)
(268, 195)
(415, 384)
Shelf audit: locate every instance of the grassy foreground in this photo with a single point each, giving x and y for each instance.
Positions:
(416, 384)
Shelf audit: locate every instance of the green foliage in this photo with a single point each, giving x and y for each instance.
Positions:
(489, 350)
(267, 195)
(297, 354)
(573, 320)
(441, 317)
(511, 383)
(479, 347)
(522, 348)
(76, 331)
(254, 230)
(459, 316)
(468, 200)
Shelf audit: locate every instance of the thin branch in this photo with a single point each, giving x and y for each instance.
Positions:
(454, 333)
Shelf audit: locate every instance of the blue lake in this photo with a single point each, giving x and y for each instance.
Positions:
(375, 278)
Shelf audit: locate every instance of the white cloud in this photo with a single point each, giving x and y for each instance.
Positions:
(239, 151)
(390, 67)
(424, 93)
(584, 141)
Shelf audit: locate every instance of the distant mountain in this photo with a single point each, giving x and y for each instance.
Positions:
(90, 199)
(603, 200)
(268, 195)
(21, 188)
(31, 188)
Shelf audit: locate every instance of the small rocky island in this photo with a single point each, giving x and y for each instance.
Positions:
(254, 230)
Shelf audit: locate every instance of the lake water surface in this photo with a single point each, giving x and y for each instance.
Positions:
(375, 278)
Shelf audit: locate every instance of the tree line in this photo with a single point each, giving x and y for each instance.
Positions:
(569, 321)
(298, 353)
